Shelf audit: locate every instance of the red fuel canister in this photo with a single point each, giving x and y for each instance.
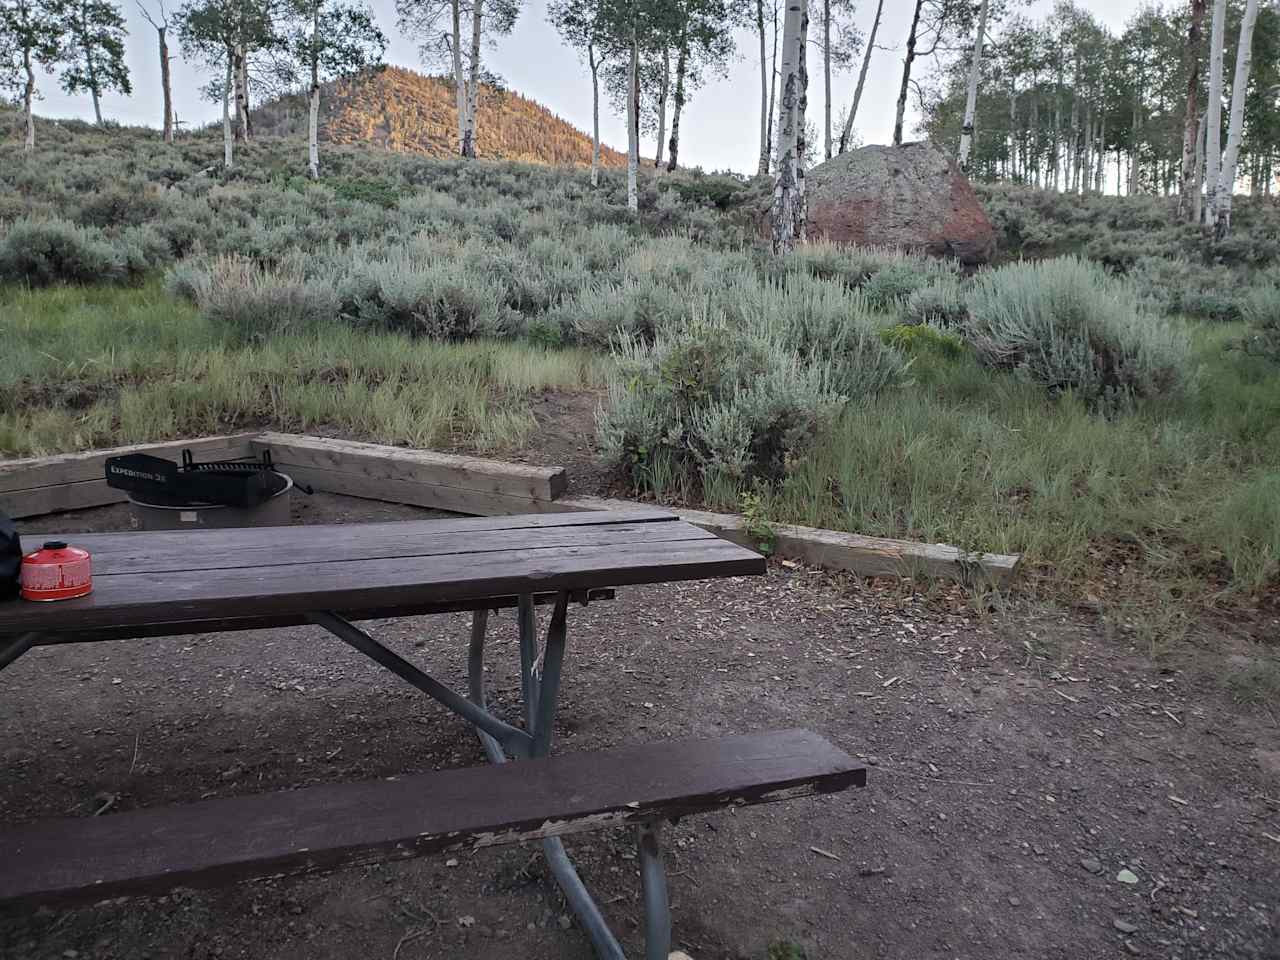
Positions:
(56, 572)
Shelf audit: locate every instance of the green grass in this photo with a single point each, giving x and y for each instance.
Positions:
(1183, 489)
(92, 367)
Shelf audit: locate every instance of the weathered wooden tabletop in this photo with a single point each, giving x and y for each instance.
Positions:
(196, 581)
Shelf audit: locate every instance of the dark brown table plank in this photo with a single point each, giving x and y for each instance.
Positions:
(388, 584)
(331, 544)
(358, 535)
(316, 828)
(267, 621)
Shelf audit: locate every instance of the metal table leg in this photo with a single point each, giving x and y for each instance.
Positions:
(540, 682)
(17, 648)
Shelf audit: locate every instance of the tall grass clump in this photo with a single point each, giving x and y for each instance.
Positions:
(251, 302)
(1261, 311)
(1068, 326)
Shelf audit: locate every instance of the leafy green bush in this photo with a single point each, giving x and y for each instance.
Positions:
(721, 191)
(366, 191)
(917, 337)
(45, 252)
(1066, 325)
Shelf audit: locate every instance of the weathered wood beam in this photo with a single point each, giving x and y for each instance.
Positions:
(419, 477)
(74, 481)
(865, 556)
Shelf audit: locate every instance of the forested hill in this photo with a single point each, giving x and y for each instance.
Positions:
(400, 109)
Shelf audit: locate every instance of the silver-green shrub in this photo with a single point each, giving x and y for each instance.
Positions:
(740, 381)
(1067, 325)
(252, 302)
(44, 252)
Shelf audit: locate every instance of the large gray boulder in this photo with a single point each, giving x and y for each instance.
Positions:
(913, 196)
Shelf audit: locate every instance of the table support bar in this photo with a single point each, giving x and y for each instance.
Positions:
(513, 740)
(540, 689)
(653, 880)
(16, 649)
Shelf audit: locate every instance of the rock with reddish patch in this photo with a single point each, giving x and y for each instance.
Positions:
(913, 196)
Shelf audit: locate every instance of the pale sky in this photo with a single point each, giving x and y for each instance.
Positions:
(720, 128)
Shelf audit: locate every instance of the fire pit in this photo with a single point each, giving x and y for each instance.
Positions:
(217, 493)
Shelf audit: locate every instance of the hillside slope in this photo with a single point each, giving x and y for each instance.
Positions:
(403, 110)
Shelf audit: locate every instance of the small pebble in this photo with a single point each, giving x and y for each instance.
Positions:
(1093, 866)
(1124, 926)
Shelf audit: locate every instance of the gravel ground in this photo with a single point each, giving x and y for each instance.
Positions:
(1038, 787)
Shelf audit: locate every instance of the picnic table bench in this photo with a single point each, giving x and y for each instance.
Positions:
(175, 583)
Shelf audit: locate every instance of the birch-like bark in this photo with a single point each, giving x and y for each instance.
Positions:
(473, 81)
(28, 96)
(633, 135)
(1056, 154)
(773, 82)
(1135, 136)
(313, 116)
(788, 192)
(1191, 115)
(826, 78)
(1235, 131)
(906, 75)
(1197, 196)
(971, 100)
(682, 65)
(459, 77)
(240, 80)
(90, 63)
(762, 164)
(847, 132)
(595, 114)
(663, 91)
(1213, 132)
(227, 138)
(1013, 131)
(166, 87)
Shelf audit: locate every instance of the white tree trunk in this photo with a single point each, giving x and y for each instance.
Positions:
(1235, 132)
(473, 82)
(165, 86)
(459, 77)
(971, 99)
(1213, 132)
(227, 137)
(1197, 194)
(241, 81)
(313, 115)
(633, 135)
(663, 91)
(762, 165)
(788, 191)
(28, 95)
(826, 79)
(847, 132)
(595, 115)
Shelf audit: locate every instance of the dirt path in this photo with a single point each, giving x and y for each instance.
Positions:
(1019, 765)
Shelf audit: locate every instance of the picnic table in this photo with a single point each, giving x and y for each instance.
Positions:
(190, 582)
